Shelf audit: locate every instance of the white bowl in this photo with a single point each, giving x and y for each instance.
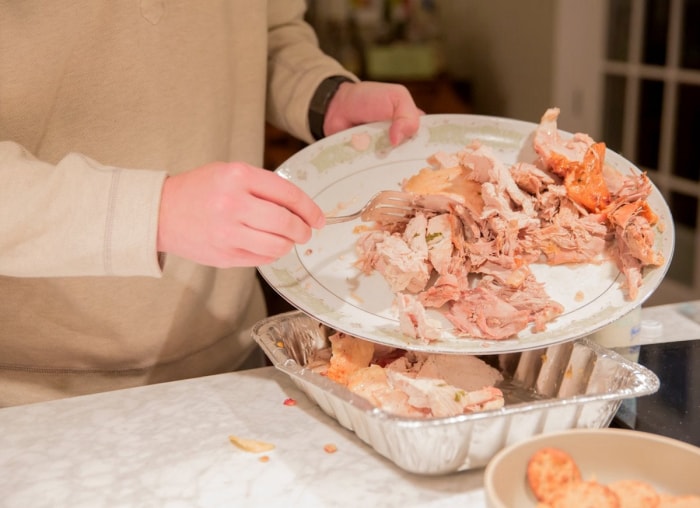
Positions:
(604, 455)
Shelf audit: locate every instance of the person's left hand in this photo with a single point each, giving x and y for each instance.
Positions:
(371, 101)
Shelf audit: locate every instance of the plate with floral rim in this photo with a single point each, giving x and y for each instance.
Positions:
(341, 174)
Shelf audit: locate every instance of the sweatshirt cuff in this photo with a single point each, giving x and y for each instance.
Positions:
(131, 223)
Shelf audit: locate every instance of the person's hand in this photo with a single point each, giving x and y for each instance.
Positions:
(233, 214)
(370, 101)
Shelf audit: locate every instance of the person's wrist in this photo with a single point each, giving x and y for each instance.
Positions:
(320, 101)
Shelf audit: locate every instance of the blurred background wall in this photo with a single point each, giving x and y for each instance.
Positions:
(505, 49)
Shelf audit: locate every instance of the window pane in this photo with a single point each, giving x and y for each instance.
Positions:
(686, 161)
(614, 107)
(684, 210)
(649, 127)
(690, 42)
(618, 29)
(655, 32)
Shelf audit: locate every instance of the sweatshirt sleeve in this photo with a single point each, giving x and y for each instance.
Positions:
(76, 218)
(296, 66)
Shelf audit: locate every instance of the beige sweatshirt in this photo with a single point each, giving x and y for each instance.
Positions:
(99, 100)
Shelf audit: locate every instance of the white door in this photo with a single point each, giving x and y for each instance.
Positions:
(629, 73)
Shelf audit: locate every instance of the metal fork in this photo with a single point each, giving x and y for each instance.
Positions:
(384, 206)
(396, 206)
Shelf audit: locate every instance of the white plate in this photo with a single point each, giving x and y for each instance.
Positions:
(604, 455)
(319, 277)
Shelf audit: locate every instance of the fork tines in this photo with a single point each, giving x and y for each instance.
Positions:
(390, 206)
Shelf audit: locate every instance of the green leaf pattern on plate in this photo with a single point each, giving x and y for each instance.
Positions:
(295, 287)
(494, 137)
(344, 153)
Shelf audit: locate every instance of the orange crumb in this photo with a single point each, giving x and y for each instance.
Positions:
(361, 228)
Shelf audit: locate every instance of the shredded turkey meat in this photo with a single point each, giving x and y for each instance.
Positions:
(470, 256)
(408, 383)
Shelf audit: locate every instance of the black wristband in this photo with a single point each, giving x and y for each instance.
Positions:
(319, 103)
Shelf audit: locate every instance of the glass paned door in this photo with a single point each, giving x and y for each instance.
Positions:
(651, 100)
(645, 105)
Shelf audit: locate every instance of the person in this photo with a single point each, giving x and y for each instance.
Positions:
(133, 208)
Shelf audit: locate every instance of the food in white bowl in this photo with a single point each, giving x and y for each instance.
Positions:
(606, 459)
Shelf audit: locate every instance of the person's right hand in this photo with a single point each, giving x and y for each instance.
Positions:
(234, 214)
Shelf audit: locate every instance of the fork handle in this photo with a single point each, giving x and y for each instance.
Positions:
(342, 218)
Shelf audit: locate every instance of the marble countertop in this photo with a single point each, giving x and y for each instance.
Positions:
(167, 445)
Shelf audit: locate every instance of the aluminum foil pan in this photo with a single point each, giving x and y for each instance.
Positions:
(576, 384)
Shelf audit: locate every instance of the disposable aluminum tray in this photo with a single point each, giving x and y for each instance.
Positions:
(576, 384)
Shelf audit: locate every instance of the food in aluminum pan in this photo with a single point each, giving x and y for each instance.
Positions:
(409, 383)
(576, 384)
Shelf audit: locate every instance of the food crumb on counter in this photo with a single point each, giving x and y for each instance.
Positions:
(251, 445)
(290, 402)
(264, 458)
(330, 448)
